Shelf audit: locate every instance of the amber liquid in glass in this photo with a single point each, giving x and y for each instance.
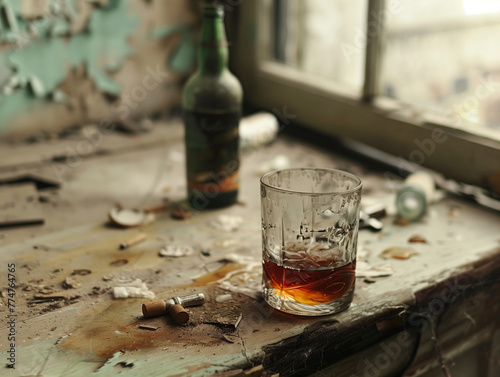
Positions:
(311, 287)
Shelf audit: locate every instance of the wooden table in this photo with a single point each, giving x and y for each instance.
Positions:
(441, 306)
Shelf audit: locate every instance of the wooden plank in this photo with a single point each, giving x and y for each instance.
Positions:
(94, 333)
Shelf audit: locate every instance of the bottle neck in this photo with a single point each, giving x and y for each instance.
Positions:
(213, 53)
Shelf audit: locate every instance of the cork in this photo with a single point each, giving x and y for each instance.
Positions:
(178, 313)
(154, 308)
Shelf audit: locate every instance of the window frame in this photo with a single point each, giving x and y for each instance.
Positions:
(368, 118)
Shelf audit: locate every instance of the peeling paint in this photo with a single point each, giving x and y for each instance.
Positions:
(44, 61)
(184, 56)
(44, 41)
(35, 65)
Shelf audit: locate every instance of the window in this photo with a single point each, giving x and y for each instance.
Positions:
(416, 79)
(440, 56)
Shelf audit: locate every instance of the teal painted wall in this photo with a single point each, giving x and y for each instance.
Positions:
(77, 61)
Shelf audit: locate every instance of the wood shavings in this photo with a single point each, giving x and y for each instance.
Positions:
(417, 239)
(175, 251)
(42, 298)
(136, 288)
(228, 338)
(41, 289)
(71, 283)
(238, 321)
(398, 253)
(226, 223)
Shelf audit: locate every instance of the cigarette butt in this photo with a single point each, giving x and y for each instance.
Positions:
(154, 308)
(178, 313)
(133, 241)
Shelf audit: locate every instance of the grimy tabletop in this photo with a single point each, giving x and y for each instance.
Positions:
(64, 320)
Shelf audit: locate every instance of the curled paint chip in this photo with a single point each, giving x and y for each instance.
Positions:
(417, 239)
(398, 253)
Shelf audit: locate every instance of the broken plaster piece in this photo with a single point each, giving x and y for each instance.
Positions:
(136, 288)
(175, 251)
(71, 283)
(227, 223)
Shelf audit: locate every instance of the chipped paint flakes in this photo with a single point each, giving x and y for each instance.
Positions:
(398, 253)
(227, 223)
(176, 251)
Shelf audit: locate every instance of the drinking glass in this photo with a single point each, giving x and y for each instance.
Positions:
(310, 220)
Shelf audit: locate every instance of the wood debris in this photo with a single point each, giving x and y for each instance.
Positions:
(119, 262)
(71, 283)
(228, 338)
(81, 271)
(37, 299)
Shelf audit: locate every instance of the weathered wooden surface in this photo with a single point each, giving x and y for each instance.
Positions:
(86, 331)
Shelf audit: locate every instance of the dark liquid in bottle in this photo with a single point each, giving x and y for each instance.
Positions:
(212, 158)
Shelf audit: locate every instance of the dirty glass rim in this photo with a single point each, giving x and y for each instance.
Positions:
(288, 191)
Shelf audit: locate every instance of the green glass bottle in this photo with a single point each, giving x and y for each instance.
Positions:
(212, 110)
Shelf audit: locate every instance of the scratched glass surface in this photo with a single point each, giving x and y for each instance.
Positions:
(310, 220)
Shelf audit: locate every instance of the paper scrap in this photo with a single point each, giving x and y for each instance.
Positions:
(136, 288)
